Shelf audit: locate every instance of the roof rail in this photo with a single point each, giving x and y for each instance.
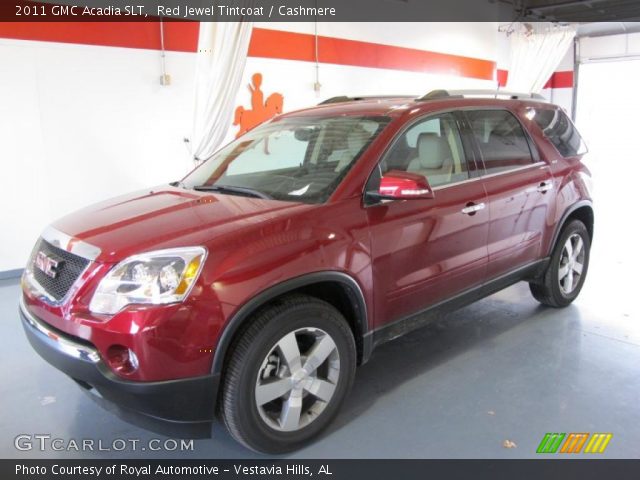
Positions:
(442, 94)
(344, 98)
(335, 100)
(438, 95)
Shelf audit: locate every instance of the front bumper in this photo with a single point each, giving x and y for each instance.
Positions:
(183, 408)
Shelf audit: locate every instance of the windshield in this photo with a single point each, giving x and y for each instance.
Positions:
(296, 159)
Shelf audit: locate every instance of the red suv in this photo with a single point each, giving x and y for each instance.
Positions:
(254, 286)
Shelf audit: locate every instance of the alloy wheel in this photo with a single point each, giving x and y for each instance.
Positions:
(297, 379)
(571, 264)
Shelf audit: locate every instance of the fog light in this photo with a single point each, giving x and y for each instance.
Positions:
(122, 359)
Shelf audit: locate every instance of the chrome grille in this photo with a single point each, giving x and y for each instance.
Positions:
(71, 267)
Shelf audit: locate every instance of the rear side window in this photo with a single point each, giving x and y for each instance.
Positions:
(560, 131)
(502, 142)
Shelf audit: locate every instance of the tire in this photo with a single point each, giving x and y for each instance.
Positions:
(263, 364)
(556, 289)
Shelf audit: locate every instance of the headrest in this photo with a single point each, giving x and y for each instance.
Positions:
(433, 150)
(356, 140)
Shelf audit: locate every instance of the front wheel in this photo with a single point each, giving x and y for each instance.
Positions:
(567, 269)
(288, 374)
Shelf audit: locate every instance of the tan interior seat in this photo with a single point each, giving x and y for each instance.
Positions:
(434, 160)
(354, 143)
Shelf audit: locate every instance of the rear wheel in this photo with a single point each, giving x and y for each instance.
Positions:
(288, 374)
(567, 270)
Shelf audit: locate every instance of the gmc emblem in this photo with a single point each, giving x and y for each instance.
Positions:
(49, 264)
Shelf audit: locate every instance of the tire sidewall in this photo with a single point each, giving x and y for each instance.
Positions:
(256, 432)
(575, 227)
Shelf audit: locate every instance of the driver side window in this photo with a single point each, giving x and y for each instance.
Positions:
(432, 147)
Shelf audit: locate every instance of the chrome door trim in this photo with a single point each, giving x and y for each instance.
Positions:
(540, 164)
(491, 175)
(517, 169)
(455, 184)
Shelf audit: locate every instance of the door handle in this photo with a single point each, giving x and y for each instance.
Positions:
(472, 208)
(544, 187)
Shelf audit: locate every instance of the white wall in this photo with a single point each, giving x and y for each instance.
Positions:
(470, 39)
(296, 79)
(79, 124)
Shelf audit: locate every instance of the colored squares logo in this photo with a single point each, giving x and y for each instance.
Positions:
(574, 443)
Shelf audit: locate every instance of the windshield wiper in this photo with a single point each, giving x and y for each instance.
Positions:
(248, 192)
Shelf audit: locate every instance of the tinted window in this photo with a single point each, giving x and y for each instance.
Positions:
(503, 144)
(432, 148)
(560, 131)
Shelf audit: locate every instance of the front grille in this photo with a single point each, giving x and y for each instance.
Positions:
(68, 272)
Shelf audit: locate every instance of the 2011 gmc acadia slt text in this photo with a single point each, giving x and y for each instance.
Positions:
(254, 286)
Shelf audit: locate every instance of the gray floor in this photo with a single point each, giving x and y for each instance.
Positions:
(501, 369)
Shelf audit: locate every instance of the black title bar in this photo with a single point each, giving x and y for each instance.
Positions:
(543, 468)
(314, 10)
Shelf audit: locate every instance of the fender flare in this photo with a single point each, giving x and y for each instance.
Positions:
(245, 311)
(563, 220)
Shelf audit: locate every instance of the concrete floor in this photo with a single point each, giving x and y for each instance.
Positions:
(502, 369)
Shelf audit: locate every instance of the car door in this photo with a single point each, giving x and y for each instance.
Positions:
(427, 250)
(519, 189)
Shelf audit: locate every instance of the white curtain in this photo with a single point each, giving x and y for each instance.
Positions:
(221, 57)
(535, 55)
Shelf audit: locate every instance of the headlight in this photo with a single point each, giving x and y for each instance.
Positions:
(154, 278)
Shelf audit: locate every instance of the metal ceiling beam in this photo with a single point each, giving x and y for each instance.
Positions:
(558, 5)
(578, 10)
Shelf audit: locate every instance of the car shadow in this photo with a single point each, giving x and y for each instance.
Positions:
(416, 353)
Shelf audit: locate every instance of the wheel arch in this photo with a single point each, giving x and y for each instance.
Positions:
(582, 211)
(337, 288)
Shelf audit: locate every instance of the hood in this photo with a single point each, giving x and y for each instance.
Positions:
(167, 217)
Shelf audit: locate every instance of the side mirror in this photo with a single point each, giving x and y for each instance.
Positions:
(400, 185)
